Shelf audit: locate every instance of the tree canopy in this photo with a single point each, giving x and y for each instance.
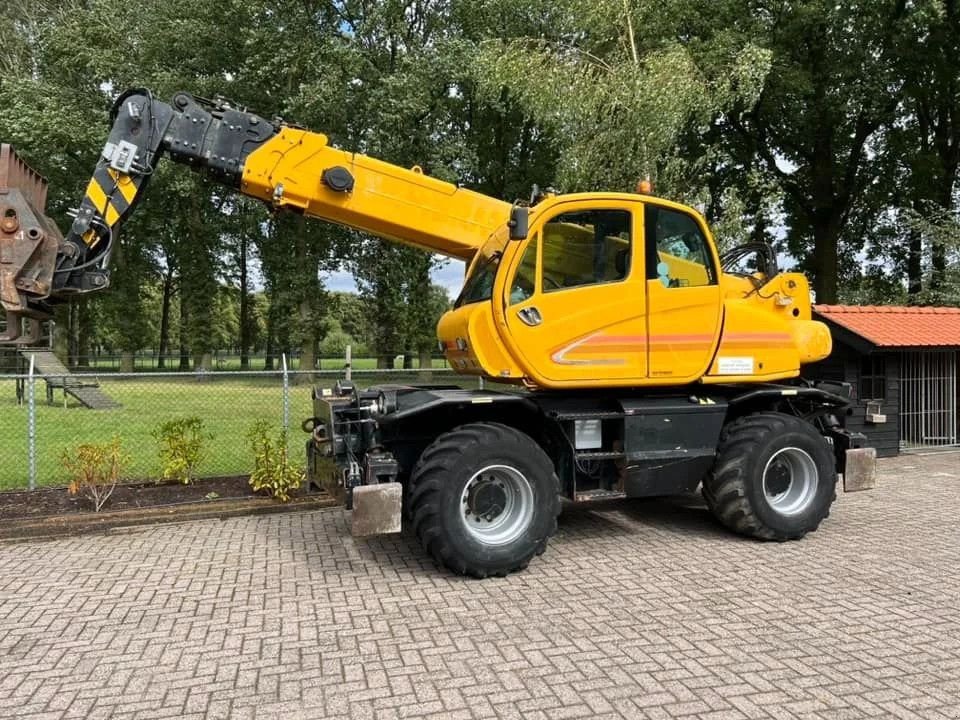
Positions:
(830, 130)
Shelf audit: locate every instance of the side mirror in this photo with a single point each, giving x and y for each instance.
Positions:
(519, 222)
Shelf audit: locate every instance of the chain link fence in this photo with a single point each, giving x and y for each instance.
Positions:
(45, 415)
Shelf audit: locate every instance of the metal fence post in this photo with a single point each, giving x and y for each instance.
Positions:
(286, 394)
(348, 368)
(31, 428)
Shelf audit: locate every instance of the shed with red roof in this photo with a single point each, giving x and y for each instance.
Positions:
(902, 363)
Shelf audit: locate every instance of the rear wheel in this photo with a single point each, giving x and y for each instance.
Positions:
(484, 499)
(774, 477)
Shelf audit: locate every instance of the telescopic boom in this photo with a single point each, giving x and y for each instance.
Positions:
(285, 166)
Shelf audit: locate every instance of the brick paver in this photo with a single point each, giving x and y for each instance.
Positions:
(644, 609)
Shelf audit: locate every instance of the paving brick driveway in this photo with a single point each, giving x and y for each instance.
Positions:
(638, 610)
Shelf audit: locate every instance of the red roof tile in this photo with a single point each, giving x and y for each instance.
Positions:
(896, 326)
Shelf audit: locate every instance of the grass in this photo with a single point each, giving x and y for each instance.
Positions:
(227, 405)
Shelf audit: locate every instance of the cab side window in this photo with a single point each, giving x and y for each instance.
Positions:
(587, 247)
(525, 279)
(677, 251)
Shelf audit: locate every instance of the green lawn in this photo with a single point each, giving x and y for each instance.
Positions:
(227, 405)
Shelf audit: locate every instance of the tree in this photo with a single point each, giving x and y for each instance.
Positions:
(617, 83)
(383, 273)
(925, 141)
(78, 56)
(427, 307)
(831, 88)
(245, 219)
(352, 314)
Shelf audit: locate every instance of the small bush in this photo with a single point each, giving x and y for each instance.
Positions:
(272, 470)
(95, 469)
(181, 448)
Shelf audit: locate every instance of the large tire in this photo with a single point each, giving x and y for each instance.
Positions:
(774, 477)
(485, 499)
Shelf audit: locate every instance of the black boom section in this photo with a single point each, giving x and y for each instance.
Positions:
(212, 136)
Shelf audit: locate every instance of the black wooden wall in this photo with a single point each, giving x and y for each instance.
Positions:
(844, 364)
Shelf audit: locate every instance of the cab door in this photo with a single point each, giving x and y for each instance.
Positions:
(683, 294)
(575, 301)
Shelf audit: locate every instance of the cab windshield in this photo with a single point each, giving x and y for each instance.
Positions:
(483, 271)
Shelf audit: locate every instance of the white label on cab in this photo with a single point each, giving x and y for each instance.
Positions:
(735, 366)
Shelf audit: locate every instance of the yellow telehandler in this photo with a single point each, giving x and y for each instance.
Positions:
(648, 363)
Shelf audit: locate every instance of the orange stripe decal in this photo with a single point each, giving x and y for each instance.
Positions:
(597, 344)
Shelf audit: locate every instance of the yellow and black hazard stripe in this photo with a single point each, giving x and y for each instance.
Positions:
(111, 194)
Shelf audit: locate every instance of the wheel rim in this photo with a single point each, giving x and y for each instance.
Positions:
(496, 504)
(790, 481)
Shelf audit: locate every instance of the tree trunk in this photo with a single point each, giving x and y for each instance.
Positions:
(308, 290)
(84, 331)
(163, 347)
(126, 361)
(938, 265)
(824, 210)
(203, 361)
(426, 364)
(915, 263)
(59, 339)
(73, 322)
(938, 257)
(268, 350)
(825, 268)
(244, 307)
(308, 338)
(184, 333)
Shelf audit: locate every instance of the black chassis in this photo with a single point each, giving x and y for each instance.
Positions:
(633, 443)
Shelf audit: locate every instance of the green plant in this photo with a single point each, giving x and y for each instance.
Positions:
(95, 470)
(272, 469)
(181, 448)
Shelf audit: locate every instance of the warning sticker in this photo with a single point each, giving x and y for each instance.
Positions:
(735, 365)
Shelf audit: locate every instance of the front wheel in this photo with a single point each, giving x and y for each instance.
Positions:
(484, 499)
(774, 477)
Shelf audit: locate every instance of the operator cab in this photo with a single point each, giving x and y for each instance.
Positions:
(570, 303)
(612, 289)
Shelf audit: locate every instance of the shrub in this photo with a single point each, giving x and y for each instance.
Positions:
(272, 469)
(95, 469)
(181, 448)
(334, 343)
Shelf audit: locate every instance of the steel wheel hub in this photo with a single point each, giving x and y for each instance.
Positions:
(790, 481)
(497, 504)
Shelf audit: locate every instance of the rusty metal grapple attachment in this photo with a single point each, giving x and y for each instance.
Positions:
(29, 242)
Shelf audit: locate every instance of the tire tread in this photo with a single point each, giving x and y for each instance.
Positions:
(725, 487)
(430, 475)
